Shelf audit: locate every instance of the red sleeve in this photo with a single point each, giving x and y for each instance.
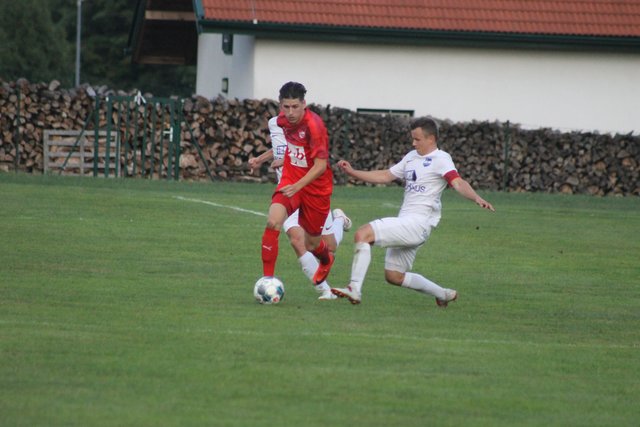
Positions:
(282, 120)
(451, 176)
(318, 137)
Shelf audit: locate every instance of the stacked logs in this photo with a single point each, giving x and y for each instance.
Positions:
(27, 110)
(228, 132)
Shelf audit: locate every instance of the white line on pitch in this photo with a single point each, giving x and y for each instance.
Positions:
(218, 205)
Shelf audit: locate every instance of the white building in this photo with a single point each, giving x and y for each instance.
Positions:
(565, 65)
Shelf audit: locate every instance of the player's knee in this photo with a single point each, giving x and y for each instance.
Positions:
(364, 234)
(297, 243)
(274, 225)
(394, 277)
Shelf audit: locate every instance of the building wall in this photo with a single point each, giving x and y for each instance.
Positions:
(209, 68)
(214, 66)
(562, 90)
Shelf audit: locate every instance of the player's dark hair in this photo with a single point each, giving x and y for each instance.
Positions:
(428, 125)
(292, 90)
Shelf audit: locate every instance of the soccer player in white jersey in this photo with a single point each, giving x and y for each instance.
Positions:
(426, 172)
(336, 224)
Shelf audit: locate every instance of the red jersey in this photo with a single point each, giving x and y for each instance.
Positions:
(307, 140)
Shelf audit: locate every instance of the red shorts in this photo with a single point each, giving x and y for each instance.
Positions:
(313, 209)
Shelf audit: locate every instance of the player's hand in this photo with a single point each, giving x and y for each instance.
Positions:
(254, 163)
(484, 204)
(289, 190)
(345, 166)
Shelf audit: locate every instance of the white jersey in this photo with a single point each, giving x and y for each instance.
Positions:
(424, 183)
(278, 143)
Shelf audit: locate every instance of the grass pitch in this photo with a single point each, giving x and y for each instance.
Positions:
(130, 303)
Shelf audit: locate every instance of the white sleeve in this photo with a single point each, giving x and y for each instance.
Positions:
(278, 141)
(273, 125)
(397, 170)
(445, 164)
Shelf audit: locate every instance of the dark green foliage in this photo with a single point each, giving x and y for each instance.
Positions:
(38, 42)
(31, 44)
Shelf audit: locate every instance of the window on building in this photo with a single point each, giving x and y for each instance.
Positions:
(227, 43)
(385, 112)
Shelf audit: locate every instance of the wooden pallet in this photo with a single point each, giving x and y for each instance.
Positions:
(70, 152)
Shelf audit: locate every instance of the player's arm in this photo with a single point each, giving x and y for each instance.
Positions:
(277, 163)
(255, 162)
(381, 176)
(318, 168)
(465, 189)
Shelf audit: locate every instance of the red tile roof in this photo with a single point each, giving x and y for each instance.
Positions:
(604, 18)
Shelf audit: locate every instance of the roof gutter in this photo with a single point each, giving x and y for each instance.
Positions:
(198, 9)
(409, 36)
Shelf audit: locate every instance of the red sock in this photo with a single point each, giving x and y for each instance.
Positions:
(269, 251)
(322, 252)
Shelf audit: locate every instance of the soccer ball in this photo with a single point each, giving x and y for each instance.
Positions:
(268, 290)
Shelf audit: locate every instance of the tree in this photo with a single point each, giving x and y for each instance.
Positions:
(106, 32)
(38, 42)
(31, 45)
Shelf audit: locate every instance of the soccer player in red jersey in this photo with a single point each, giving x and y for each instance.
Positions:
(306, 183)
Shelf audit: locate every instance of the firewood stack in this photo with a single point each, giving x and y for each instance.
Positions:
(490, 155)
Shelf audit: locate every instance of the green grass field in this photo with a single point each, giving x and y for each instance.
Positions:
(129, 303)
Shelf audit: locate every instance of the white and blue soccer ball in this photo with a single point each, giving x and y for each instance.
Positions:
(268, 290)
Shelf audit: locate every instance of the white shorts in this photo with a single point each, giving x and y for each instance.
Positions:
(292, 221)
(402, 236)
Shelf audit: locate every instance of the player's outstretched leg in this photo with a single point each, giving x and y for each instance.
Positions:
(421, 284)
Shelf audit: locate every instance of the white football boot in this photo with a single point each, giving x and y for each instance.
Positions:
(339, 213)
(353, 296)
(327, 296)
(449, 295)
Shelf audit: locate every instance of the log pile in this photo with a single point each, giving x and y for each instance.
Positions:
(26, 110)
(228, 132)
(499, 155)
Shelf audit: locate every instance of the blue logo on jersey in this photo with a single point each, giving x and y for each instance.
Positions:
(280, 149)
(410, 175)
(415, 187)
(427, 162)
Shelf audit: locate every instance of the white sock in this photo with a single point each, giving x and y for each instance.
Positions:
(338, 229)
(309, 264)
(422, 284)
(360, 265)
